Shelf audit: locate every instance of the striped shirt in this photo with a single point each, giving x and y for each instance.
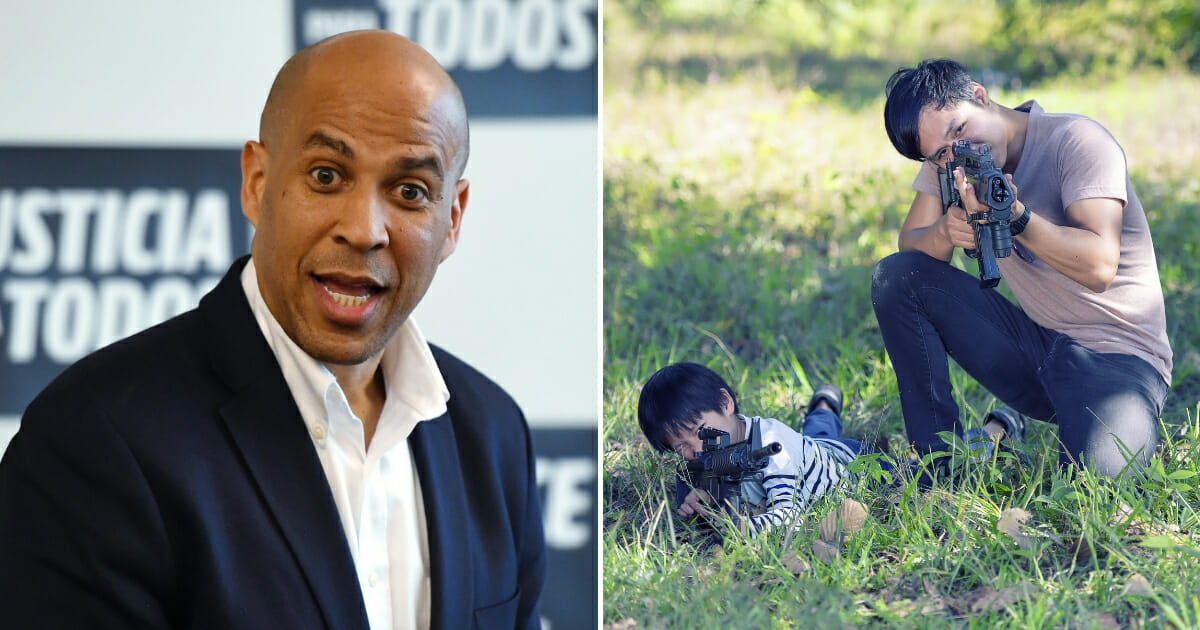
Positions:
(805, 469)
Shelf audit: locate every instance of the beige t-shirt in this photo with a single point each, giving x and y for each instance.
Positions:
(1066, 158)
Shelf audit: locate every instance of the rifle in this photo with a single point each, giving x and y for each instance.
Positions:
(721, 467)
(993, 237)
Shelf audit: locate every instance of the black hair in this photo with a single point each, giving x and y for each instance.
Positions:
(937, 82)
(673, 399)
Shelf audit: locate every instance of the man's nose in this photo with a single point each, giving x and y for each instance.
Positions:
(363, 222)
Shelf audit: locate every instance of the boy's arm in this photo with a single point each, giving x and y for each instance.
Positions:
(794, 482)
(783, 504)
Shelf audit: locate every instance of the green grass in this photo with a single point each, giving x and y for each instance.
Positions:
(742, 217)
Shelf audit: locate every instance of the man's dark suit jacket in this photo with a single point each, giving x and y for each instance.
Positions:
(168, 481)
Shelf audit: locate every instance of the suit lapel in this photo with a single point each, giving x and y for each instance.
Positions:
(447, 518)
(267, 429)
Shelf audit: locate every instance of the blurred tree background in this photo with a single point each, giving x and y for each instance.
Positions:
(849, 47)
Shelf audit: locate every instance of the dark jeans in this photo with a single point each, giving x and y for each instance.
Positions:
(823, 423)
(1105, 405)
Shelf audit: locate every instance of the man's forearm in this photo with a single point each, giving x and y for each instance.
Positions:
(931, 240)
(1078, 253)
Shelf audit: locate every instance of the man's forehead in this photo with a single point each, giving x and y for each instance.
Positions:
(349, 117)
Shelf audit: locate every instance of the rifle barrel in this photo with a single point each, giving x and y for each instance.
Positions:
(766, 451)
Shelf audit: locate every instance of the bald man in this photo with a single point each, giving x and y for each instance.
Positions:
(293, 453)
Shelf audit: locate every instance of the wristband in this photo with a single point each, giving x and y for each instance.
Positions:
(1018, 226)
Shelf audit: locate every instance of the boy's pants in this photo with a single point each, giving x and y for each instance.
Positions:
(823, 423)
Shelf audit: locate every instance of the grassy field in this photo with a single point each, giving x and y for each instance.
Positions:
(744, 207)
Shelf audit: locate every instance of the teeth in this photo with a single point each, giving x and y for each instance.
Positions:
(348, 301)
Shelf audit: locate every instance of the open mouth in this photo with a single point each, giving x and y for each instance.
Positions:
(349, 293)
(348, 301)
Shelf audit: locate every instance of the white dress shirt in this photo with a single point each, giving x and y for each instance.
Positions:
(376, 489)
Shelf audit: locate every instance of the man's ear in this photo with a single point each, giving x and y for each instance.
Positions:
(462, 190)
(254, 179)
(981, 95)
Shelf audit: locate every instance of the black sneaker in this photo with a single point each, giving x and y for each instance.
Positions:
(831, 394)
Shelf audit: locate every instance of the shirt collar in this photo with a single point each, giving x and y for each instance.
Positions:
(416, 390)
(1030, 107)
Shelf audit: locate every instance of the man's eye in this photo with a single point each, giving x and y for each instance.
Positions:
(411, 192)
(324, 175)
